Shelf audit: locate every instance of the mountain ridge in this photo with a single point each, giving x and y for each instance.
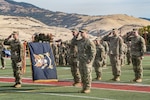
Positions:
(96, 24)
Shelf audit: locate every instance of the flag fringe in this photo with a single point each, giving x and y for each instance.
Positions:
(51, 80)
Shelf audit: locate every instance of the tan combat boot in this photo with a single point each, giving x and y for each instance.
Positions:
(117, 78)
(87, 91)
(139, 80)
(77, 84)
(97, 78)
(18, 86)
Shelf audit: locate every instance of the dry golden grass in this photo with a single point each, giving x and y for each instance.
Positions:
(27, 26)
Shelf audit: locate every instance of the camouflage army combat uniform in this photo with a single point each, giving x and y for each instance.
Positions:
(2, 55)
(115, 52)
(123, 57)
(99, 58)
(15, 46)
(86, 55)
(138, 48)
(106, 48)
(128, 55)
(62, 53)
(56, 53)
(74, 63)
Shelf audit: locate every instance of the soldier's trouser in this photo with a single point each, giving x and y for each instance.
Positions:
(128, 55)
(98, 68)
(62, 60)
(86, 74)
(115, 63)
(75, 72)
(104, 61)
(57, 59)
(17, 71)
(2, 62)
(137, 66)
(123, 59)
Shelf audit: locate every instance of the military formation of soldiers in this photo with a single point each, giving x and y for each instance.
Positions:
(131, 47)
(83, 54)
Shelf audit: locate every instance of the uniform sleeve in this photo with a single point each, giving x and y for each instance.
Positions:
(106, 47)
(120, 46)
(143, 46)
(106, 38)
(7, 42)
(102, 51)
(92, 51)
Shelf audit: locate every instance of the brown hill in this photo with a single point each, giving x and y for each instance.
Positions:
(103, 24)
(10, 7)
(96, 24)
(27, 27)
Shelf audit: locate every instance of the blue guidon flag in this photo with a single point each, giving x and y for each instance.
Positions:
(42, 62)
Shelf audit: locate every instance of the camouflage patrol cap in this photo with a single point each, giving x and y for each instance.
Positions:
(83, 30)
(15, 32)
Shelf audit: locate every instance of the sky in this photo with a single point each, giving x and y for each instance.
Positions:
(136, 8)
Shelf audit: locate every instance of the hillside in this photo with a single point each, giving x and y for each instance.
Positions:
(96, 24)
(27, 27)
(103, 24)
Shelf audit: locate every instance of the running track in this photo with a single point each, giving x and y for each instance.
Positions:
(100, 85)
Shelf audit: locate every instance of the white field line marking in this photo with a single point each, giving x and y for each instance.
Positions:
(123, 90)
(66, 95)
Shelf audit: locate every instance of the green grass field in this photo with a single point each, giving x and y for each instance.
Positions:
(45, 92)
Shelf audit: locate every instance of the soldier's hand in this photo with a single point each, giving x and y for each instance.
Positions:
(110, 33)
(9, 36)
(88, 61)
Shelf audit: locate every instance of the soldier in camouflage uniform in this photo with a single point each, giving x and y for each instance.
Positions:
(86, 55)
(73, 59)
(2, 54)
(138, 48)
(128, 55)
(128, 43)
(15, 46)
(115, 52)
(106, 48)
(62, 54)
(55, 52)
(123, 57)
(99, 58)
